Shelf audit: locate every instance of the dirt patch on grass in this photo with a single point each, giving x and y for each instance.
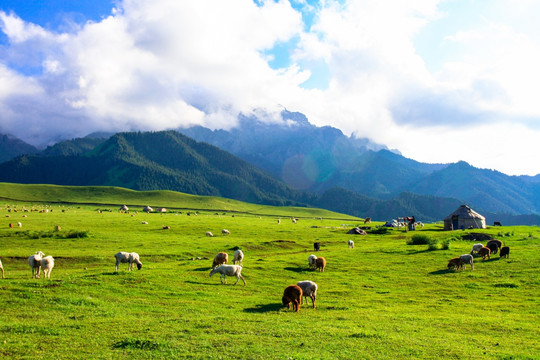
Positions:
(477, 237)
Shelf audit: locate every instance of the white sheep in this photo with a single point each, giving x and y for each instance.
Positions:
(2, 268)
(309, 288)
(238, 257)
(228, 270)
(312, 259)
(476, 248)
(47, 264)
(35, 263)
(208, 233)
(351, 244)
(467, 259)
(19, 224)
(125, 257)
(225, 232)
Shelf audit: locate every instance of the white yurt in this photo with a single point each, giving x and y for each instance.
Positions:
(464, 218)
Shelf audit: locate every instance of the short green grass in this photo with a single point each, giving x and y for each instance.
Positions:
(384, 299)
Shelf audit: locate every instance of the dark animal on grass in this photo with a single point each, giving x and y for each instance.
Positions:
(484, 252)
(493, 247)
(220, 258)
(367, 220)
(494, 241)
(292, 295)
(316, 246)
(455, 263)
(320, 263)
(497, 223)
(505, 252)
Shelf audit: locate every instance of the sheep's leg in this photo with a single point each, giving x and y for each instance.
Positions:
(241, 277)
(117, 263)
(312, 300)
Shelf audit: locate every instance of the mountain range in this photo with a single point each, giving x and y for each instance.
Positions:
(289, 163)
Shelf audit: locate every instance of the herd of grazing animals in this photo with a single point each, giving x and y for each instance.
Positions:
(492, 247)
(293, 294)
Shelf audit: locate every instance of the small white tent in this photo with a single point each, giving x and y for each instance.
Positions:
(464, 218)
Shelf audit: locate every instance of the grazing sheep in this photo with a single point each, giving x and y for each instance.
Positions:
(228, 270)
(292, 294)
(505, 252)
(467, 259)
(351, 244)
(238, 257)
(209, 234)
(484, 252)
(309, 289)
(220, 258)
(279, 221)
(293, 220)
(312, 259)
(125, 257)
(494, 245)
(166, 227)
(476, 248)
(367, 220)
(47, 264)
(35, 263)
(2, 268)
(10, 225)
(320, 263)
(316, 246)
(225, 232)
(455, 263)
(19, 224)
(144, 222)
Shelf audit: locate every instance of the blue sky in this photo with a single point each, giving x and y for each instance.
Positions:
(439, 80)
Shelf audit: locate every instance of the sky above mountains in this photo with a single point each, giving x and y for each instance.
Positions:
(440, 81)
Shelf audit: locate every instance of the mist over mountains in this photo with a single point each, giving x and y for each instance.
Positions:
(289, 163)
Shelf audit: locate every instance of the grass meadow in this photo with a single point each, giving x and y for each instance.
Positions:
(384, 299)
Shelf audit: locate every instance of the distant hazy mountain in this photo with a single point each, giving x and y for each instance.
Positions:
(10, 147)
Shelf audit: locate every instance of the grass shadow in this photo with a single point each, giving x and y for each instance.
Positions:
(204, 283)
(203, 269)
(297, 269)
(442, 272)
(264, 308)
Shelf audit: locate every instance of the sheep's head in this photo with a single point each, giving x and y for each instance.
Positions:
(285, 301)
(40, 253)
(213, 271)
(139, 266)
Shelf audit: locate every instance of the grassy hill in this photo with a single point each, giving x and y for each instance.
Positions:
(107, 196)
(382, 300)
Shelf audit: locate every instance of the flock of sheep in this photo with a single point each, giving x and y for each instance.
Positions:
(293, 294)
(492, 247)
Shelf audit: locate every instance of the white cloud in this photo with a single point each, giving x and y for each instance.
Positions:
(165, 64)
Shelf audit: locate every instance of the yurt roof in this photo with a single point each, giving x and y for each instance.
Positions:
(465, 212)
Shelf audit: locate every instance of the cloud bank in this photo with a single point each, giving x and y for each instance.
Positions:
(404, 74)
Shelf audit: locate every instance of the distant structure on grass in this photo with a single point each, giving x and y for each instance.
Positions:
(464, 218)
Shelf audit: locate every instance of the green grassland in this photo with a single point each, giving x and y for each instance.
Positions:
(383, 299)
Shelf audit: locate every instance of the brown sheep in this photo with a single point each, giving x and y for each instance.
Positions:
(220, 258)
(455, 263)
(320, 263)
(292, 294)
(484, 252)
